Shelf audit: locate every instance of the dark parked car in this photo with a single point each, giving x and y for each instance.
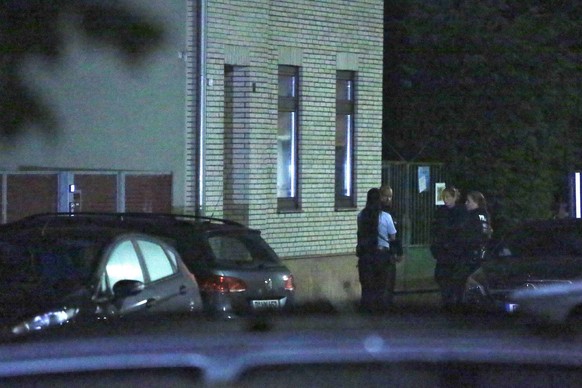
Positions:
(57, 275)
(535, 255)
(236, 269)
(557, 303)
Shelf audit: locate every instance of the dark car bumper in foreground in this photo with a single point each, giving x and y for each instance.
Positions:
(303, 351)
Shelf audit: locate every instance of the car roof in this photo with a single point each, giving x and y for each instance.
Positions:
(92, 232)
(147, 222)
(536, 225)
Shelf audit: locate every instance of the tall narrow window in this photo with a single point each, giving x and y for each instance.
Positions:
(287, 135)
(344, 139)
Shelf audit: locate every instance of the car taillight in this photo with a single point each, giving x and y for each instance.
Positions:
(289, 283)
(216, 283)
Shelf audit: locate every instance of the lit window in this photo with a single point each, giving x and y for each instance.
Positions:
(287, 135)
(344, 139)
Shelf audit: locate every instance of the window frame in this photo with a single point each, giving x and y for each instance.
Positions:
(290, 104)
(346, 109)
(153, 276)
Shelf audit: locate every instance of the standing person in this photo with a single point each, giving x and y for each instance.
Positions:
(375, 229)
(444, 247)
(395, 245)
(475, 231)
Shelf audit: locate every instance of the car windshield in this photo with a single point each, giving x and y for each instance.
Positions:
(554, 241)
(243, 249)
(335, 193)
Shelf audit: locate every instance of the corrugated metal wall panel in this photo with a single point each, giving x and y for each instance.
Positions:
(98, 192)
(28, 194)
(23, 194)
(148, 193)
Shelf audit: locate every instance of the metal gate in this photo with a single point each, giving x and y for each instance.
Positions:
(416, 188)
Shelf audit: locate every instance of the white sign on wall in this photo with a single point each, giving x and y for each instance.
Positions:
(438, 193)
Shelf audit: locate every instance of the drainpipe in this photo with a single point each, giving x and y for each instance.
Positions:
(201, 101)
(4, 198)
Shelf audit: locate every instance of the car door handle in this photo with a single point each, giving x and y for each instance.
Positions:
(183, 290)
(150, 302)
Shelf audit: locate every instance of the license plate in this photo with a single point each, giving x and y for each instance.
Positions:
(265, 304)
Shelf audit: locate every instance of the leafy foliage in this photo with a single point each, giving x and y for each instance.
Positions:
(491, 88)
(35, 28)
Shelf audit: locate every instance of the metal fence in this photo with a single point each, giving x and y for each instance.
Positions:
(416, 188)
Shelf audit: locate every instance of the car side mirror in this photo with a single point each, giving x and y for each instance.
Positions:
(499, 250)
(504, 252)
(125, 288)
(495, 249)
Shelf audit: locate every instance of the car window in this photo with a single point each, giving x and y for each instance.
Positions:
(240, 249)
(158, 264)
(52, 260)
(123, 264)
(173, 259)
(79, 253)
(561, 242)
(229, 249)
(16, 263)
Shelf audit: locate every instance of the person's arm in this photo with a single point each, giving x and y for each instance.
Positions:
(395, 243)
(386, 228)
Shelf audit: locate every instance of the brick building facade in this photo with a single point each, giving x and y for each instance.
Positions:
(247, 43)
(264, 111)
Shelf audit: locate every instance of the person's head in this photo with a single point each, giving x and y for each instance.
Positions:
(386, 194)
(373, 197)
(450, 196)
(475, 200)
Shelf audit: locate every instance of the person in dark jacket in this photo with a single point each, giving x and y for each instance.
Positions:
(445, 247)
(376, 230)
(473, 236)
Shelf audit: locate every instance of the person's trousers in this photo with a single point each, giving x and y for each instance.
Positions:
(444, 275)
(377, 279)
(390, 283)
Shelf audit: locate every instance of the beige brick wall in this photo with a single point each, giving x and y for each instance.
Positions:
(321, 37)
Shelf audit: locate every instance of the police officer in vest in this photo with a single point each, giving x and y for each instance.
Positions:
(376, 258)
